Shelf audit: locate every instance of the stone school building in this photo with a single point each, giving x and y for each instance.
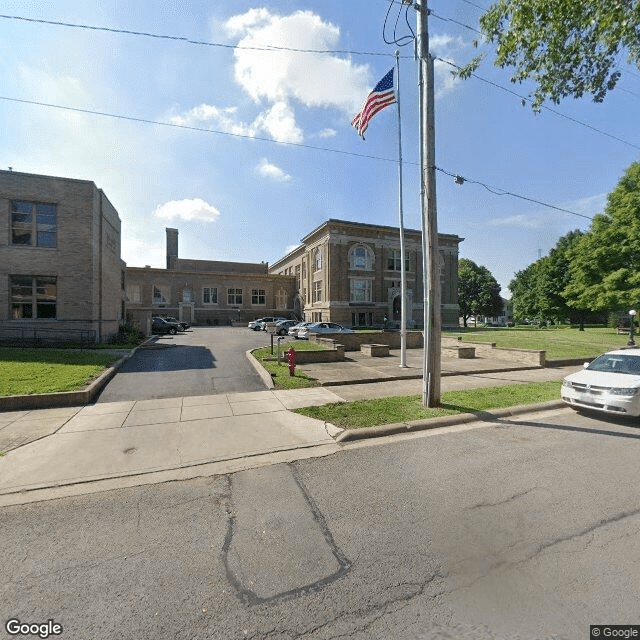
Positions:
(61, 272)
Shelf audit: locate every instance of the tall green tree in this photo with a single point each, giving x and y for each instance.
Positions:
(566, 47)
(604, 272)
(478, 291)
(525, 293)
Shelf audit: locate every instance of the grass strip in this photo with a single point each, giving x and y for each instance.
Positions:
(32, 371)
(282, 379)
(565, 342)
(369, 413)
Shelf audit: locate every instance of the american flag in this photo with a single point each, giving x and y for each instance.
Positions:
(382, 96)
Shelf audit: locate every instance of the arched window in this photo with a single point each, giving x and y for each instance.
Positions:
(318, 259)
(360, 257)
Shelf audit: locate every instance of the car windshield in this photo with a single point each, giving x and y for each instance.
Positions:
(616, 363)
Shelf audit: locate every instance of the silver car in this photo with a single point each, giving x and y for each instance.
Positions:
(322, 327)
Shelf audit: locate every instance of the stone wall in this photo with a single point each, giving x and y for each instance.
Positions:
(352, 341)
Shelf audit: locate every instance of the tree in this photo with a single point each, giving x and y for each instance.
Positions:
(478, 291)
(567, 47)
(554, 276)
(604, 274)
(524, 293)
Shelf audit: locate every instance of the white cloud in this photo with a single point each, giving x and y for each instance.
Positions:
(520, 220)
(137, 252)
(278, 121)
(272, 171)
(315, 80)
(328, 133)
(446, 47)
(291, 247)
(188, 209)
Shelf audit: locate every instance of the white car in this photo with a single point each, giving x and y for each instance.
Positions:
(322, 327)
(293, 331)
(611, 383)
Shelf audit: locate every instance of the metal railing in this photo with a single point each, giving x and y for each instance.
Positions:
(38, 336)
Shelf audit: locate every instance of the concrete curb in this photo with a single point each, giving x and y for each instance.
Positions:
(445, 421)
(265, 376)
(418, 376)
(67, 398)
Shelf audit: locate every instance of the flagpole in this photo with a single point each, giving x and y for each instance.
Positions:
(403, 274)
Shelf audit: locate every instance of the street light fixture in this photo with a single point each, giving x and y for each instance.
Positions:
(631, 342)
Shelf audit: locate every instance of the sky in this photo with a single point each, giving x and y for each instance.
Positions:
(246, 150)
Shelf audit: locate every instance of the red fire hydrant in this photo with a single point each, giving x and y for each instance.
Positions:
(291, 357)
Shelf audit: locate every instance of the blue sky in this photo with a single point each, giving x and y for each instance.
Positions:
(248, 199)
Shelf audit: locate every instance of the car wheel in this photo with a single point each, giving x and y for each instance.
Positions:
(173, 331)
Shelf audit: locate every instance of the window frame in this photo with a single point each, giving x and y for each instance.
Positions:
(368, 258)
(316, 294)
(209, 291)
(237, 295)
(35, 223)
(259, 297)
(367, 289)
(393, 260)
(35, 300)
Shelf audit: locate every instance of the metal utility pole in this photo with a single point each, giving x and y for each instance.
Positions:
(430, 254)
(403, 271)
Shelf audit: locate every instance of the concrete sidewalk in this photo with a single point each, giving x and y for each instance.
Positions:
(75, 450)
(359, 368)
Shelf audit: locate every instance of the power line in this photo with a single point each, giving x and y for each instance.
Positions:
(498, 191)
(524, 99)
(194, 128)
(473, 4)
(495, 190)
(462, 24)
(186, 40)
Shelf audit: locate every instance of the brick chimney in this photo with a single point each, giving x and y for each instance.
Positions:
(172, 248)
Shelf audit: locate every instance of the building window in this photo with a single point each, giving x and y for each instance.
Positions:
(234, 296)
(187, 296)
(133, 293)
(281, 299)
(33, 297)
(393, 260)
(304, 269)
(258, 296)
(161, 294)
(209, 295)
(360, 290)
(33, 224)
(317, 291)
(318, 259)
(360, 257)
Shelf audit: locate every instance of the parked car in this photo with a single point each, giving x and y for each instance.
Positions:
(282, 327)
(293, 331)
(322, 327)
(160, 325)
(260, 324)
(183, 325)
(611, 384)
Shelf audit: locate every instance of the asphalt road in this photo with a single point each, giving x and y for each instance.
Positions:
(524, 529)
(200, 361)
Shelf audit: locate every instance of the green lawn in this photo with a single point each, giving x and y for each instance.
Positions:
(282, 378)
(559, 343)
(29, 371)
(368, 413)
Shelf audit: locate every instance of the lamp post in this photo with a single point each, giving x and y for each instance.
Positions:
(631, 343)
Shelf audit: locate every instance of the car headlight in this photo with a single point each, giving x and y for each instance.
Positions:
(623, 391)
(566, 383)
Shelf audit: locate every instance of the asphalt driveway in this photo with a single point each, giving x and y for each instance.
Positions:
(200, 361)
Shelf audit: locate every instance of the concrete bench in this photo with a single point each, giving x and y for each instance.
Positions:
(464, 353)
(375, 350)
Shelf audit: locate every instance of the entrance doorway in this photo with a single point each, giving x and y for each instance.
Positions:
(396, 309)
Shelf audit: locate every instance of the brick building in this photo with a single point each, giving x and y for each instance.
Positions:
(61, 275)
(349, 272)
(206, 291)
